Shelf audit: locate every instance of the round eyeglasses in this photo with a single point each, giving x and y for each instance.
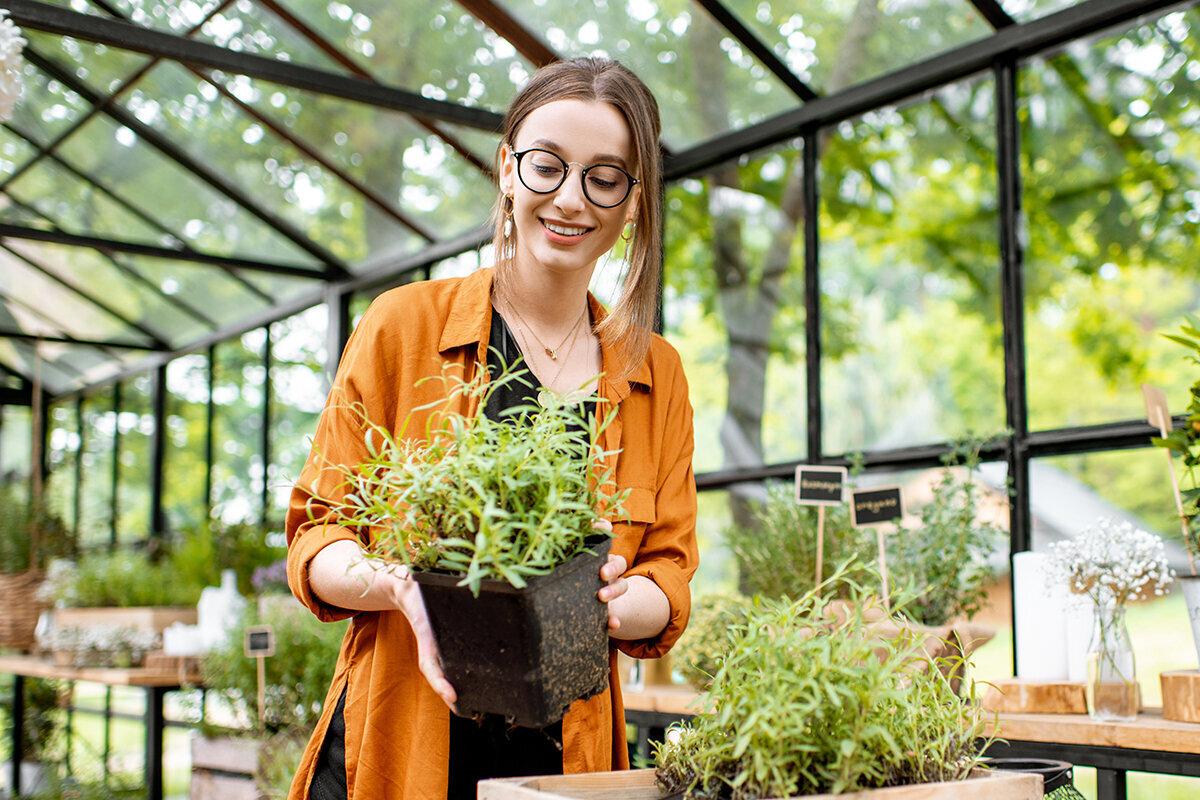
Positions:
(605, 185)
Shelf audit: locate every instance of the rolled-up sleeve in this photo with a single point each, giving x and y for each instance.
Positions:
(667, 553)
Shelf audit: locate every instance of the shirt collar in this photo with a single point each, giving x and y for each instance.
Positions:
(470, 320)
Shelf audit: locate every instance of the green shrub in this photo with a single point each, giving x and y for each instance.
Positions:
(804, 704)
(23, 525)
(121, 578)
(200, 554)
(297, 677)
(486, 499)
(699, 652)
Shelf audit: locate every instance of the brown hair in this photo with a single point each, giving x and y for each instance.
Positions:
(628, 327)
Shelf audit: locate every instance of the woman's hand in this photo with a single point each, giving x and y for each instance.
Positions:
(637, 608)
(340, 576)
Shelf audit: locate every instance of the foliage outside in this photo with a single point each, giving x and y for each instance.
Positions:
(1185, 442)
(119, 578)
(486, 499)
(805, 704)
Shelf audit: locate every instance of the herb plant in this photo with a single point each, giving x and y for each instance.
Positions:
(29, 526)
(487, 499)
(778, 557)
(119, 578)
(699, 652)
(943, 560)
(1185, 442)
(805, 704)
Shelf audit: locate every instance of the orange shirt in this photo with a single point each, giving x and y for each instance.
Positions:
(397, 730)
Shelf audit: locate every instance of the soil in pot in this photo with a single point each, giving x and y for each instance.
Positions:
(529, 653)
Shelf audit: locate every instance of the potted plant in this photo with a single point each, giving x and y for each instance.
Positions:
(494, 517)
(264, 751)
(31, 535)
(806, 703)
(1111, 563)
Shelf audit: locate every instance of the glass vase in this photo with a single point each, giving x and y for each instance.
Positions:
(1112, 688)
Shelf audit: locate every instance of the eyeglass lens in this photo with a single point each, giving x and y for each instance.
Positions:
(603, 184)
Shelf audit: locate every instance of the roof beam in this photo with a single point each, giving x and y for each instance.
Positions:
(994, 13)
(528, 44)
(154, 251)
(1022, 41)
(35, 337)
(746, 37)
(128, 36)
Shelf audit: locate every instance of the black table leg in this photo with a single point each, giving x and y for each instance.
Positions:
(154, 741)
(1110, 784)
(18, 732)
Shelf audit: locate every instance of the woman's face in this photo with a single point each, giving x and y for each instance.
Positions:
(562, 230)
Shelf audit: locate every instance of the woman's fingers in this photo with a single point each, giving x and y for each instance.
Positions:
(428, 660)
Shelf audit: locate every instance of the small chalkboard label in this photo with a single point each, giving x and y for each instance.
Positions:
(820, 486)
(876, 506)
(260, 640)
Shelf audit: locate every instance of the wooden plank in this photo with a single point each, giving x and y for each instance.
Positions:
(1148, 732)
(1181, 695)
(638, 784)
(33, 667)
(1042, 697)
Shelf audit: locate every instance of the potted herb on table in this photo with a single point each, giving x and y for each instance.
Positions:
(495, 519)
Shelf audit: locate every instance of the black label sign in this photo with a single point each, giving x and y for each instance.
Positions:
(820, 486)
(876, 506)
(260, 640)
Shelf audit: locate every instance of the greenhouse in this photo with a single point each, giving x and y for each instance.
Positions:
(941, 251)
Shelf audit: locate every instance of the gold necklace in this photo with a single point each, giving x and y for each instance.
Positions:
(566, 358)
(550, 351)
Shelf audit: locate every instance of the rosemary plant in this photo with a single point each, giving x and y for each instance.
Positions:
(484, 498)
(806, 704)
(1185, 442)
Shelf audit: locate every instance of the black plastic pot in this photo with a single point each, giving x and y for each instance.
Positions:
(526, 654)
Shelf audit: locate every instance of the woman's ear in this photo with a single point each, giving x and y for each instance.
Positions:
(508, 170)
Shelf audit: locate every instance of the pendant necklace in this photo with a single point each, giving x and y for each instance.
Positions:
(550, 351)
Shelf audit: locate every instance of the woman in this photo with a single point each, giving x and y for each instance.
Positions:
(578, 163)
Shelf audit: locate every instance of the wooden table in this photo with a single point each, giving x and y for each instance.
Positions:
(156, 684)
(1148, 744)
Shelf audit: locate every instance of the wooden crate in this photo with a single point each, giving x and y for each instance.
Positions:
(1181, 695)
(1018, 696)
(223, 768)
(638, 784)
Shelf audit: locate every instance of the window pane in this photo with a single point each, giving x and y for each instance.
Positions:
(1110, 176)
(96, 511)
(734, 308)
(911, 334)
(63, 462)
(135, 431)
(185, 467)
(298, 357)
(238, 387)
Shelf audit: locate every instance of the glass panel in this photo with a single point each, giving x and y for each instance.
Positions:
(15, 442)
(1110, 174)
(238, 394)
(47, 108)
(1070, 493)
(909, 252)
(193, 211)
(68, 310)
(247, 27)
(14, 151)
(734, 308)
(125, 294)
(62, 459)
(298, 390)
(1026, 10)
(135, 428)
(169, 15)
(96, 491)
(76, 206)
(705, 83)
(20, 356)
(184, 465)
(222, 297)
(434, 43)
(103, 68)
(830, 46)
(409, 168)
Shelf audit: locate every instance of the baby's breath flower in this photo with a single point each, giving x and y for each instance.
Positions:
(1111, 562)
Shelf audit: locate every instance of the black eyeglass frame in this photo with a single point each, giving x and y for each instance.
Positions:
(582, 176)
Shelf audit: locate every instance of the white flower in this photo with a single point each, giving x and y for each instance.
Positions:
(11, 43)
(1111, 562)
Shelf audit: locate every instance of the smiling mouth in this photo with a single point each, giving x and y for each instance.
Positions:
(564, 230)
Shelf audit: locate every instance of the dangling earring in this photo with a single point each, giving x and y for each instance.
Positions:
(628, 231)
(508, 215)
